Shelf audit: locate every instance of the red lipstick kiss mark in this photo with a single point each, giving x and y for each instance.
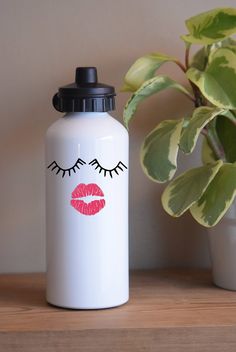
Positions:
(83, 190)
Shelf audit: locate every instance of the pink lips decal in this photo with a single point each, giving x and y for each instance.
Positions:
(83, 190)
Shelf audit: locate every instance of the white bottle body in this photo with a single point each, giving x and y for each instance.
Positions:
(87, 246)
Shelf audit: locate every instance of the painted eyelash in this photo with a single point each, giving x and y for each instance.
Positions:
(54, 165)
(120, 166)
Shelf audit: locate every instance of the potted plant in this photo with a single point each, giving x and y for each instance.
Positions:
(207, 191)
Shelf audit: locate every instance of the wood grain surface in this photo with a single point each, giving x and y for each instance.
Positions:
(169, 310)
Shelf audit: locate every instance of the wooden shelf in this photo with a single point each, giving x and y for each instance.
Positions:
(169, 310)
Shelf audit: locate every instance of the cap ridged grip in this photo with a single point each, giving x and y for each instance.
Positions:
(83, 104)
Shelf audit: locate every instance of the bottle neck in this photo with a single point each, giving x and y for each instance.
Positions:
(90, 115)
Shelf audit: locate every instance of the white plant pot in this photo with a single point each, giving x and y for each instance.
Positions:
(222, 245)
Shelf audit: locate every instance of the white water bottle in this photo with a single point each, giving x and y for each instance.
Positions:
(86, 198)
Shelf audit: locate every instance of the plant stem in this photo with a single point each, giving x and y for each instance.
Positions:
(190, 97)
(180, 65)
(187, 51)
(198, 99)
(219, 152)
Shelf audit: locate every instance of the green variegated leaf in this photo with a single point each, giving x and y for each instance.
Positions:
(201, 117)
(217, 198)
(199, 59)
(148, 88)
(218, 82)
(226, 132)
(143, 69)
(188, 188)
(159, 150)
(208, 155)
(226, 43)
(186, 121)
(211, 26)
(232, 48)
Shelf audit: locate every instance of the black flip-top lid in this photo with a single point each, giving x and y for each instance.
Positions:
(86, 94)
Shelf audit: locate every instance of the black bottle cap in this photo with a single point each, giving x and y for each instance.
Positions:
(86, 94)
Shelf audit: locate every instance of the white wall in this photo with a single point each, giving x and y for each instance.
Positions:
(41, 43)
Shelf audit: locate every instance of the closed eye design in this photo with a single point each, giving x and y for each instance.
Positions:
(118, 168)
(54, 166)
